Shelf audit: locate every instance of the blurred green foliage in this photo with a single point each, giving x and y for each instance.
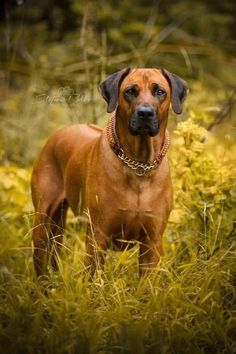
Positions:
(14, 184)
(79, 31)
(205, 190)
(53, 54)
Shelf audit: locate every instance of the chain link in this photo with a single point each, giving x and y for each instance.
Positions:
(140, 168)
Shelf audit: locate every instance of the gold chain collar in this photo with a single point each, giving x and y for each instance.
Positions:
(140, 168)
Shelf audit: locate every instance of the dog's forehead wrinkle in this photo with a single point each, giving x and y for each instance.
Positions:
(143, 77)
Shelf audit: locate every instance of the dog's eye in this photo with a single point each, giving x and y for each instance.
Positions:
(132, 92)
(157, 91)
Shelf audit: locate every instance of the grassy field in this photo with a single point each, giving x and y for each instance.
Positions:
(186, 306)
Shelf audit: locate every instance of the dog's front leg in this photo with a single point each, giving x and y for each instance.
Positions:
(96, 245)
(150, 252)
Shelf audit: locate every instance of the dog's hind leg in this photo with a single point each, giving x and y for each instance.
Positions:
(50, 206)
(47, 236)
(59, 220)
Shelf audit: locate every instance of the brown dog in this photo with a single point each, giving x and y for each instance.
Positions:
(119, 176)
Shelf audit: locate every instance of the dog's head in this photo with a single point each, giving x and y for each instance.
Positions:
(143, 97)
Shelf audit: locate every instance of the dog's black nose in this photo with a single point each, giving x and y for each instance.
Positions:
(145, 112)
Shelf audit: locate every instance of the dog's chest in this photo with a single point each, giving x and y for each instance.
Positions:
(126, 206)
(134, 195)
(135, 204)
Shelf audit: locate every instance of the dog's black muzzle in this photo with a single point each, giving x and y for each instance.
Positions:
(144, 121)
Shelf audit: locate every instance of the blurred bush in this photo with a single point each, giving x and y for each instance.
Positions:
(205, 190)
(14, 192)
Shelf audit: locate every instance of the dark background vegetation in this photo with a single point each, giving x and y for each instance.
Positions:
(53, 55)
(73, 45)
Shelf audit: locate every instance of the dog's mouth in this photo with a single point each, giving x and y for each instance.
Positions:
(137, 127)
(144, 121)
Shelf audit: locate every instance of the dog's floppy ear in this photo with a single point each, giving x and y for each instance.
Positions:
(179, 90)
(110, 88)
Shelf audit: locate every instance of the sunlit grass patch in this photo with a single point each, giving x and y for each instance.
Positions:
(180, 308)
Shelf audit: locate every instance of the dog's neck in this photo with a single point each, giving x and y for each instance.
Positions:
(142, 148)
